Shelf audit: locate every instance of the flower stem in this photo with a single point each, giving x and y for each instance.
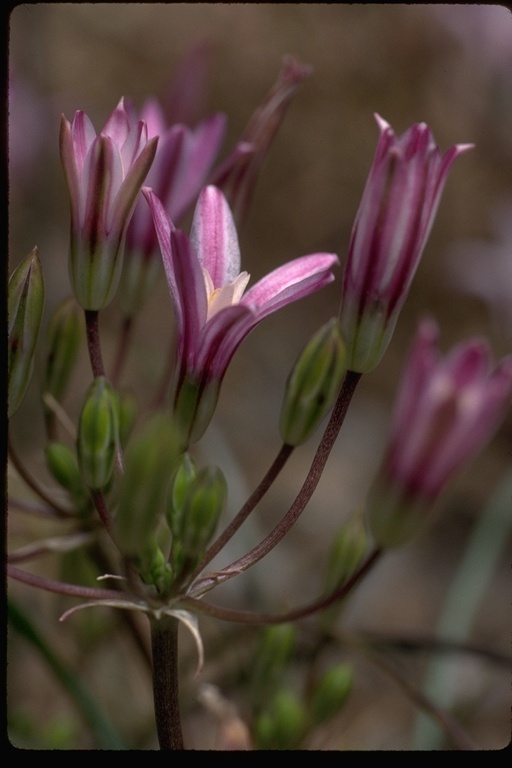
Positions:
(302, 612)
(93, 342)
(244, 512)
(313, 477)
(71, 590)
(164, 646)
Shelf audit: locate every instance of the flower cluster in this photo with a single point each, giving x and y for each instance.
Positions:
(213, 312)
(136, 478)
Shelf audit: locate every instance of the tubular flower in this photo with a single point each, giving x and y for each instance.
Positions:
(391, 228)
(183, 160)
(446, 410)
(104, 174)
(213, 312)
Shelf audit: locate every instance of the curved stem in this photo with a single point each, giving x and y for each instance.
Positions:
(103, 511)
(253, 500)
(313, 477)
(164, 646)
(72, 590)
(252, 617)
(93, 342)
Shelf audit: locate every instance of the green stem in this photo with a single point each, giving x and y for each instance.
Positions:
(164, 646)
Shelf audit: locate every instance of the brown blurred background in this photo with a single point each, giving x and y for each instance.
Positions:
(447, 65)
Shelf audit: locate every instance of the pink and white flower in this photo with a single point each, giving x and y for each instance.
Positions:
(391, 228)
(446, 411)
(104, 174)
(213, 311)
(182, 164)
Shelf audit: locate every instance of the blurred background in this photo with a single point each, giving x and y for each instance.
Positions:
(447, 65)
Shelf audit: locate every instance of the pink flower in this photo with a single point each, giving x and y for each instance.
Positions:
(392, 225)
(213, 312)
(446, 410)
(182, 163)
(104, 174)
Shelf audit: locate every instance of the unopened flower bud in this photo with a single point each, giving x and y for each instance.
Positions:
(203, 504)
(313, 384)
(149, 463)
(196, 498)
(283, 725)
(97, 441)
(331, 692)
(127, 409)
(347, 552)
(184, 475)
(63, 466)
(155, 569)
(64, 337)
(274, 651)
(25, 309)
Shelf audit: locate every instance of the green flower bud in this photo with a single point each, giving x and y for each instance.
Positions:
(63, 466)
(274, 651)
(283, 725)
(97, 440)
(127, 409)
(65, 335)
(195, 513)
(347, 552)
(203, 504)
(149, 463)
(331, 692)
(184, 475)
(25, 309)
(154, 568)
(313, 384)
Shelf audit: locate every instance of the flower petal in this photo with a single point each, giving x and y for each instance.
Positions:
(163, 227)
(131, 185)
(214, 238)
(290, 282)
(220, 339)
(191, 291)
(201, 147)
